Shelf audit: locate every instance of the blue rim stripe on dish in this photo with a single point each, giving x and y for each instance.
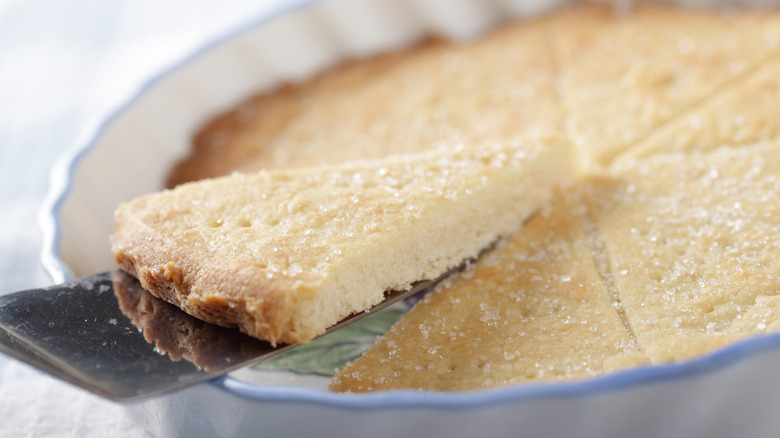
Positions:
(617, 381)
(60, 183)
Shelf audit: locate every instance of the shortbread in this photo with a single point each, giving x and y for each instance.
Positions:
(693, 242)
(742, 114)
(625, 73)
(283, 255)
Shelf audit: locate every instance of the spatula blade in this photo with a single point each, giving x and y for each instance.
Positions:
(78, 332)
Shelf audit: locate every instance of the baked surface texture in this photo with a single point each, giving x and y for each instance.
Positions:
(626, 74)
(693, 242)
(666, 248)
(285, 254)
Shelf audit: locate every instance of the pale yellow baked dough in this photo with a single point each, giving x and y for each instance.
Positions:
(742, 113)
(285, 254)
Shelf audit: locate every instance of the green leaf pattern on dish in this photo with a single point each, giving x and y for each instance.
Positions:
(330, 352)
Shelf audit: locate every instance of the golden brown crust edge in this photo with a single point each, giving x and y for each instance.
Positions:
(167, 282)
(211, 309)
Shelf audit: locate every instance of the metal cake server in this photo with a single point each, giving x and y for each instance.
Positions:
(105, 334)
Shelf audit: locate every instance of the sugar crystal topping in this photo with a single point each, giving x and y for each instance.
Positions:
(277, 214)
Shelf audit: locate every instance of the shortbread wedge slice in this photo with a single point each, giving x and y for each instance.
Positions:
(744, 114)
(534, 309)
(624, 73)
(693, 242)
(285, 254)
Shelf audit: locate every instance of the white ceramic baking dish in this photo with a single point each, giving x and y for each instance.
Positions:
(731, 392)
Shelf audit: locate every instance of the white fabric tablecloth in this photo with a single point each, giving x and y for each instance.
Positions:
(63, 64)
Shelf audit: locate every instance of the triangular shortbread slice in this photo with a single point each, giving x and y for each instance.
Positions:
(693, 243)
(625, 73)
(745, 113)
(536, 308)
(285, 254)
